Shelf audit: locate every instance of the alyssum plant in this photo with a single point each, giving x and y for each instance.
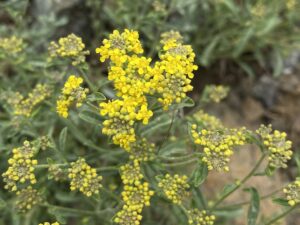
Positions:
(139, 169)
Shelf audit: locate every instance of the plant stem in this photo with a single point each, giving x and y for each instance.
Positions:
(180, 163)
(77, 211)
(250, 174)
(272, 221)
(179, 158)
(248, 202)
(107, 168)
(40, 166)
(168, 133)
(88, 81)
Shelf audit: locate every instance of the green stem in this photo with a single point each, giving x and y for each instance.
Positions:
(88, 81)
(179, 158)
(180, 163)
(282, 215)
(248, 202)
(77, 211)
(40, 166)
(250, 174)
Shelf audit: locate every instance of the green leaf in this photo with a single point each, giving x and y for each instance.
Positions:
(63, 138)
(254, 206)
(187, 102)
(243, 42)
(200, 174)
(58, 215)
(96, 97)
(270, 171)
(90, 117)
(228, 188)
(281, 201)
(206, 56)
(2, 203)
(230, 212)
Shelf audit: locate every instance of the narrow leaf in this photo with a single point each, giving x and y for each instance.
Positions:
(253, 210)
(63, 138)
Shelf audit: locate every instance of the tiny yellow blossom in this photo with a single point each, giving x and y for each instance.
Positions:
(70, 47)
(27, 198)
(141, 150)
(292, 192)
(72, 93)
(175, 187)
(278, 148)
(218, 145)
(216, 93)
(84, 178)
(127, 216)
(11, 45)
(131, 173)
(197, 217)
(21, 167)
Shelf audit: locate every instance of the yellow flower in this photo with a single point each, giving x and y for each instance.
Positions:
(70, 47)
(218, 145)
(131, 173)
(175, 187)
(173, 73)
(24, 106)
(21, 167)
(292, 192)
(197, 217)
(278, 148)
(72, 93)
(84, 178)
(119, 45)
(216, 93)
(208, 121)
(137, 196)
(27, 198)
(126, 216)
(141, 150)
(11, 45)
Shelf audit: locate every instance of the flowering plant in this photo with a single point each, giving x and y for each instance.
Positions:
(129, 155)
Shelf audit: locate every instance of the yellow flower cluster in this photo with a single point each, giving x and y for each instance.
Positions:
(171, 35)
(173, 73)
(278, 148)
(131, 173)
(11, 45)
(24, 106)
(258, 10)
(218, 145)
(207, 121)
(84, 178)
(197, 217)
(175, 187)
(134, 78)
(70, 47)
(135, 198)
(21, 167)
(291, 4)
(292, 192)
(27, 198)
(216, 93)
(56, 173)
(72, 93)
(47, 223)
(136, 194)
(142, 150)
